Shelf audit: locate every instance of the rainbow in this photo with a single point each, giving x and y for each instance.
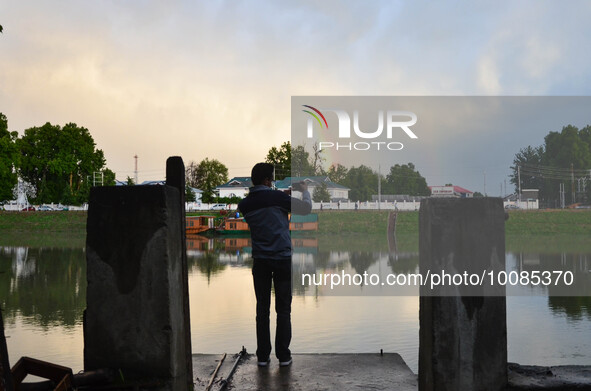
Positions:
(316, 116)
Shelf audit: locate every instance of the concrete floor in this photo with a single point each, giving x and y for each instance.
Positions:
(309, 372)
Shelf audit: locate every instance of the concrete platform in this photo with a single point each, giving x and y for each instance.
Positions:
(567, 377)
(309, 372)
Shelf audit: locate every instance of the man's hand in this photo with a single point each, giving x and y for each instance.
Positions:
(300, 186)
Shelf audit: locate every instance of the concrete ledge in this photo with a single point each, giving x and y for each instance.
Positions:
(567, 377)
(308, 372)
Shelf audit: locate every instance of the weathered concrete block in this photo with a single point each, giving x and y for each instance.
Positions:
(134, 319)
(463, 329)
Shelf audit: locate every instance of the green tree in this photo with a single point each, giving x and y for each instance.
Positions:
(337, 173)
(528, 160)
(565, 155)
(109, 177)
(189, 195)
(404, 179)
(300, 162)
(321, 193)
(129, 181)
(362, 181)
(281, 159)
(8, 160)
(209, 174)
(53, 158)
(477, 194)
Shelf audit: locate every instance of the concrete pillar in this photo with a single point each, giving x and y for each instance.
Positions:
(463, 329)
(135, 317)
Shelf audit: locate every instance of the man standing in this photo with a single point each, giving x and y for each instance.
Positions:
(266, 212)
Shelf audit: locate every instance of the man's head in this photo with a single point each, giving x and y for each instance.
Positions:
(262, 174)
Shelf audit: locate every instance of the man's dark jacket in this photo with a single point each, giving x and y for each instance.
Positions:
(266, 212)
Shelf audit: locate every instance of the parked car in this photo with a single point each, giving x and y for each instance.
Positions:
(511, 206)
(45, 208)
(218, 207)
(29, 209)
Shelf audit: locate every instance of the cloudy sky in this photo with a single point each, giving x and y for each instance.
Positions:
(215, 78)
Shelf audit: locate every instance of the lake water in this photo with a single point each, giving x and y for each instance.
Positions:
(43, 294)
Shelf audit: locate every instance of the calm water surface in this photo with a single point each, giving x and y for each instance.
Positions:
(43, 294)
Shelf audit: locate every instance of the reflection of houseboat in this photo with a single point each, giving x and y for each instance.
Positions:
(232, 226)
(198, 224)
(199, 243)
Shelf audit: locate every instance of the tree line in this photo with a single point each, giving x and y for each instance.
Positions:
(60, 164)
(561, 165)
(295, 161)
(56, 164)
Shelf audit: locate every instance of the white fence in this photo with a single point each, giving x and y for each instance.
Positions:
(527, 204)
(198, 206)
(367, 205)
(15, 207)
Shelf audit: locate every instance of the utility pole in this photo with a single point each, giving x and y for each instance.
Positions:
(562, 195)
(379, 188)
(572, 181)
(519, 181)
(484, 173)
(135, 179)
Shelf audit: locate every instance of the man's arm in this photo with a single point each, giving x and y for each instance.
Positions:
(303, 206)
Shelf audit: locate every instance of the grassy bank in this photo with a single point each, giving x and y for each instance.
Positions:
(533, 222)
(43, 229)
(526, 230)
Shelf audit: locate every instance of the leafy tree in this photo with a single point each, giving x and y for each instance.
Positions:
(478, 194)
(189, 195)
(564, 155)
(130, 181)
(208, 175)
(404, 179)
(362, 181)
(300, 162)
(109, 177)
(529, 160)
(54, 158)
(337, 173)
(281, 159)
(8, 158)
(321, 193)
(229, 200)
(1, 29)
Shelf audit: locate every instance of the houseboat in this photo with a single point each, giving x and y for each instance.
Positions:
(199, 224)
(234, 226)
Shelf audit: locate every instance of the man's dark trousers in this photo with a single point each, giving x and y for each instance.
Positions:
(278, 271)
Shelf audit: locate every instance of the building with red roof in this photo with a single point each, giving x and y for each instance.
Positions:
(450, 191)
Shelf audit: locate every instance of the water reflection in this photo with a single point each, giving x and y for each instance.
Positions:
(43, 295)
(311, 258)
(44, 286)
(47, 286)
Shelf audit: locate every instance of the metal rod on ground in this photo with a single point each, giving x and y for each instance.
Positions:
(215, 373)
(227, 379)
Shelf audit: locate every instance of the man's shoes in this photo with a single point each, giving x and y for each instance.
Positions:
(285, 363)
(264, 363)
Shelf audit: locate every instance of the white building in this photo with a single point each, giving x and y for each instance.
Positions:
(450, 191)
(337, 192)
(235, 187)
